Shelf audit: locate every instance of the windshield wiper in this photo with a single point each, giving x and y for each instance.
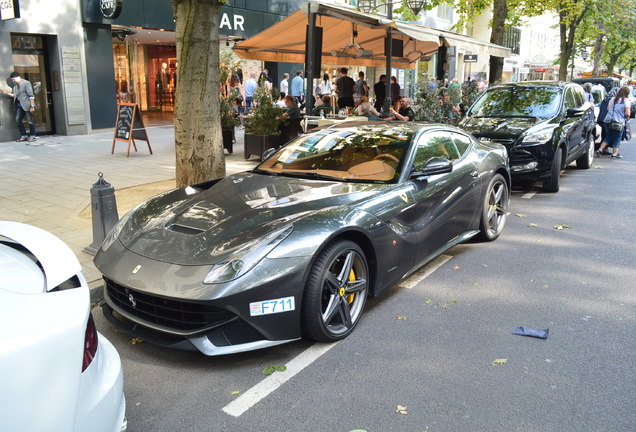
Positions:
(310, 174)
(262, 171)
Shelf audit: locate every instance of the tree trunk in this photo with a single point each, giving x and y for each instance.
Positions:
(197, 125)
(499, 15)
(599, 46)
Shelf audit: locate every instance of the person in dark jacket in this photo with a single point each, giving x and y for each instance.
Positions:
(602, 111)
(24, 101)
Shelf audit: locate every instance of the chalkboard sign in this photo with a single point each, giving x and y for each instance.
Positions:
(129, 127)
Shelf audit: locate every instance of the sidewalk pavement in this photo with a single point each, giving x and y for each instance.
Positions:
(47, 183)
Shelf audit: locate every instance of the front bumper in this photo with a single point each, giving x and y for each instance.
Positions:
(219, 320)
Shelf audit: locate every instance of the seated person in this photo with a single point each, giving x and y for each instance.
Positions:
(325, 106)
(404, 114)
(293, 112)
(280, 103)
(365, 109)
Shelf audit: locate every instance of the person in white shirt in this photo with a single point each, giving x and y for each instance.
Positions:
(284, 84)
(325, 85)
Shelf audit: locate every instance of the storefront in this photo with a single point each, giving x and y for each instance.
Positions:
(133, 52)
(41, 43)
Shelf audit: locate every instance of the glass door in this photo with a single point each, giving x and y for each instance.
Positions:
(31, 62)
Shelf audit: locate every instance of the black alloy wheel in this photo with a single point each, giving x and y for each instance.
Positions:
(336, 292)
(586, 159)
(552, 183)
(495, 209)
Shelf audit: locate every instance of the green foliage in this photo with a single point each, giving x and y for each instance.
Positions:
(229, 119)
(265, 118)
(469, 94)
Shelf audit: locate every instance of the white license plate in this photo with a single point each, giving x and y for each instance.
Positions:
(268, 307)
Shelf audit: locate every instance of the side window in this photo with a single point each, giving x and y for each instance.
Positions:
(579, 96)
(432, 145)
(462, 144)
(570, 102)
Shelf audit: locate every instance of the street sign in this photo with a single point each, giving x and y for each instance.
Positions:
(540, 70)
(470, 58)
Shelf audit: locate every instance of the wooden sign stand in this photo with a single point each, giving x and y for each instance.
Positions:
(129, 127)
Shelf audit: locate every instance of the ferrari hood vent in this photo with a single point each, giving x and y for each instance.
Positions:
(185, 229)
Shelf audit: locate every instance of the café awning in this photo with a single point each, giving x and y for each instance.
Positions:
(354, 38)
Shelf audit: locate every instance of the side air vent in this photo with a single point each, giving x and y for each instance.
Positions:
(184, 229)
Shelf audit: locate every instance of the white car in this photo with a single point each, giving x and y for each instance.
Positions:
(57, 373)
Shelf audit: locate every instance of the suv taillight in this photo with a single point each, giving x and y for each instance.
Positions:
(90, 342)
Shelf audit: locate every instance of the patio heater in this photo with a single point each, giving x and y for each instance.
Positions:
(368, 6)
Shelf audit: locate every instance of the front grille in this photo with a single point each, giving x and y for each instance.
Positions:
(175, 314)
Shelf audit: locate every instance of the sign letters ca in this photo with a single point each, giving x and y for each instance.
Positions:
(9, 9)
(110, 8)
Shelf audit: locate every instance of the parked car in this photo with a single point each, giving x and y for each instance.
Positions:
(294, 246)
(57, 372)
(544, 126)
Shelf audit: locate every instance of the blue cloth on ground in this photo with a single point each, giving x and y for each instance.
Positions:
(527, 331)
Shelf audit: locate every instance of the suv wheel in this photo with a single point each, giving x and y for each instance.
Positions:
(585, 161)
(551, 184)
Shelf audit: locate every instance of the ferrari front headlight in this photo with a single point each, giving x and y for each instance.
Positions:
(246, 257)
(114, 233)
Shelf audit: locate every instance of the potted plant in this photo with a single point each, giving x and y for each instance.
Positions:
(263, 124)
(229, 120)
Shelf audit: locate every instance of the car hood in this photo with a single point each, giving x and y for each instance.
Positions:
(502, 128)
(190, 226)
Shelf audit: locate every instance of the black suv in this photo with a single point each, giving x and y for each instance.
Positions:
(544, 126)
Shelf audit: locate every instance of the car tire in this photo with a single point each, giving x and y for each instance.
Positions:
(494, 209)
(335, 293)
(552, 183)
(586, 159)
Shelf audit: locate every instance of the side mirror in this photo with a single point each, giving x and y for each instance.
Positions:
(574, 112)
(267, 153)
(434, 166)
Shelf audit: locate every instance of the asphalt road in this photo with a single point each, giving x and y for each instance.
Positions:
(437, 359)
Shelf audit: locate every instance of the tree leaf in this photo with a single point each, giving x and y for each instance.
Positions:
(274, 368)
(235, 392)
(401, 409)
(453, 300)
(562, 226)
(521, 215)
(500, 361)
(135, 341)
(428, 301)
(401, 317)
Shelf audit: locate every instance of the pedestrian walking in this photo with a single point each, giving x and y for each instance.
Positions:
(395, 93)
(432, 84)
(250, 88)
(379, 89)
(284, 84)
(325, 85)
(297, 87)
(618, 111)
(344, 88)
(24, 101)
(361, 89)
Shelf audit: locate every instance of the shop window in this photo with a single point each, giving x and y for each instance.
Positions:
(283, 7)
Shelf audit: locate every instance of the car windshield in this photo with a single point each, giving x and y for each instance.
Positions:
(364, 154)
(518, 101)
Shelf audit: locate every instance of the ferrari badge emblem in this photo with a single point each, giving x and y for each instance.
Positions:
(136, 269)
(132, 301)
(404, 197)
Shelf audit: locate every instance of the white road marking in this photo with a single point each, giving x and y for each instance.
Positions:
(261, 390)
(425, 271)
(529, 195)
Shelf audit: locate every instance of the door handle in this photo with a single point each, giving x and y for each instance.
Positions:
(474, 173)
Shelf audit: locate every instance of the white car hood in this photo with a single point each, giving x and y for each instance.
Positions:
(57, 259)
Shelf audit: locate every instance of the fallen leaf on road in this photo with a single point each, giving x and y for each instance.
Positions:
(274, 368)
(562, 226)
(445, 306)
(532, 225)
(456, 268)
(235, 392)
(546, 286)
(453, 300)
(401, 317)
(500, 361)
(428, 301)
(400, 409)
(135, 341)
(521, 215)
(476, 283)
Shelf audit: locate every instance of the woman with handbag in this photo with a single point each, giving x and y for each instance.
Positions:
(616, 121)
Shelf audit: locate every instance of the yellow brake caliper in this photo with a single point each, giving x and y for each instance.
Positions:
(352, 277)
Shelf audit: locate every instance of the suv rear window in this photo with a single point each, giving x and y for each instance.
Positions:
(518, 101)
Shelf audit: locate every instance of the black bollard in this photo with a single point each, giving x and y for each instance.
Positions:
(103, 211)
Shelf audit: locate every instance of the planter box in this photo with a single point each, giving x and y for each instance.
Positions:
(228, 139)
(257, 144)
